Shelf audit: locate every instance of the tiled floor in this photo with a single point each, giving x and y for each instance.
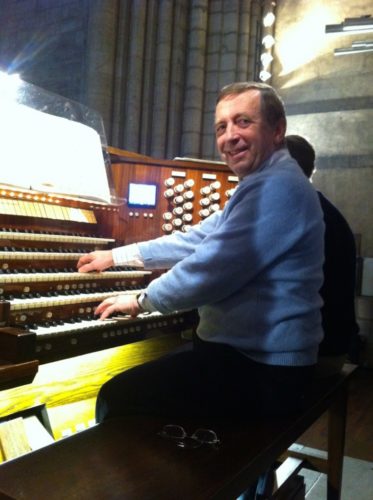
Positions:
(359, 428)
(357, 481)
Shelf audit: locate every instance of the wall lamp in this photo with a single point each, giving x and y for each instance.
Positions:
(352, 25)
(356, 47)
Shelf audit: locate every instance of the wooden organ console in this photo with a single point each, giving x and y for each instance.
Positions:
(46, 306)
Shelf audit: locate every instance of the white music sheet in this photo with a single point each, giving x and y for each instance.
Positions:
(52, 154)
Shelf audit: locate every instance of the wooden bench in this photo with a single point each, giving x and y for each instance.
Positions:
(125, 458)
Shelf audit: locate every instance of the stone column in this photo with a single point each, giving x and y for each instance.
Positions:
(101, 46)
(133, 80)
(162, 78)
(192, 119)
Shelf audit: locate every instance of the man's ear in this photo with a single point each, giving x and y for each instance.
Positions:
(280, 131)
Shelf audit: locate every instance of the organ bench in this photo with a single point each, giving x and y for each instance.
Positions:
(126, 458)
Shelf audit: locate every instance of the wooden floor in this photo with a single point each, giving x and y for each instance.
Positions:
(359, 432)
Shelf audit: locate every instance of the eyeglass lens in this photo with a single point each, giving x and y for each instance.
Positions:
(198, 438)
(206, 436)
(172, 431)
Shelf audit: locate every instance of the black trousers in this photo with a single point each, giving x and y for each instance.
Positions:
(204, 379)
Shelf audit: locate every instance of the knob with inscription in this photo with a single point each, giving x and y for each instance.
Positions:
(214, 197)
(167, 216)
(188, 195)
(167, 228)
(169, 193)
(178, 200)
(188, 206)
(204, 213)
(187, 217)
(178, 211)
(189, 183)
(177, 222)
(206, 190)
(214, 207)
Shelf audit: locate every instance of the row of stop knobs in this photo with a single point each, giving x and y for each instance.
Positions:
(181, 196)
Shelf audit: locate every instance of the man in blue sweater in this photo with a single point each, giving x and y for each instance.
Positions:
(253, 270)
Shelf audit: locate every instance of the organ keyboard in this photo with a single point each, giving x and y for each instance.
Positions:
(46, 306)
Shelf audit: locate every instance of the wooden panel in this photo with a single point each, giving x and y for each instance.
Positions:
(15, 374)
(13, 439)
(146, 223)
(80, 378)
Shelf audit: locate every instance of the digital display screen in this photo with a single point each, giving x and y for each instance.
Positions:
(142, 195)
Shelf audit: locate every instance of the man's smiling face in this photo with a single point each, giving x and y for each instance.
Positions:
(244, 138)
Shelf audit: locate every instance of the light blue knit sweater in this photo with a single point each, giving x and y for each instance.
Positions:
(253, 270)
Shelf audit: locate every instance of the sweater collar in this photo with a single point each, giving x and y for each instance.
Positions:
(276, 156)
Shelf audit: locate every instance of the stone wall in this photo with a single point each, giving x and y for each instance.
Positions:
(329, 100)
(155, 68)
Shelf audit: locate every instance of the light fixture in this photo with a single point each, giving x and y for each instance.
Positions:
(266, 59)
(268, 19)
(363, 43)
(268, 41)
(352, 25)
(356, 47)
(264, 75)
(9, 86)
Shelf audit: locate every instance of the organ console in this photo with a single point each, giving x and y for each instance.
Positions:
(46, 306)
